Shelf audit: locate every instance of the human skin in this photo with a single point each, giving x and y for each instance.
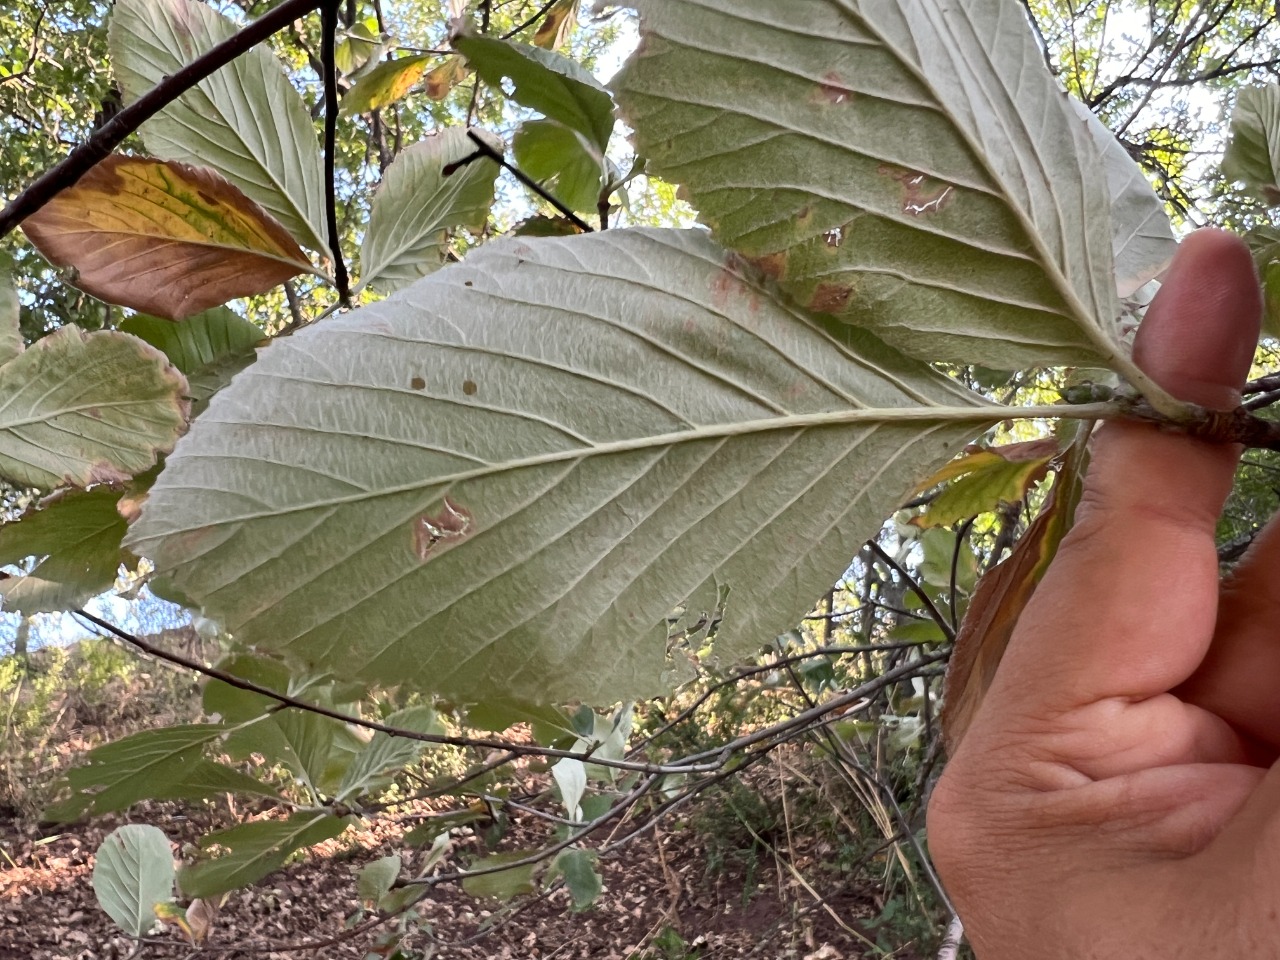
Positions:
(1116, 797)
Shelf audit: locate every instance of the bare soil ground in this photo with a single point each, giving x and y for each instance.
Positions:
(661, 886)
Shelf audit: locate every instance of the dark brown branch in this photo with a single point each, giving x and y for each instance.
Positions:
(484, 150)
(519, 749)
(943, 623)
(1217, 426)
(328, 44)
(112, 133)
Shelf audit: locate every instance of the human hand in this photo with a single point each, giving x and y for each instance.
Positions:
(1115, 795)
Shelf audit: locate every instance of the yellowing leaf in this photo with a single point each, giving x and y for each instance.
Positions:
(980, 480)
(386, 83)
(1000, 598)
(441, 80)
(164, 238)
(557, 25)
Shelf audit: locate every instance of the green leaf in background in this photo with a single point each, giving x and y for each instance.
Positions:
(77, 537)
(386, 83)
(503, 884)
(1264, 242)
(548, 723)
(512, 495)
(983, 479)
(206, 779)
(416, 206)
(253, 850)
(10, 335)
(384, 755)
(132, 874)
(552, 84)
(908, 167)
(246, 121)
(563, 161)
(375, 879)
(357, 47)
(578, 867)
(209, 348)
(81, 408)
(119, 774)
(1252, 156)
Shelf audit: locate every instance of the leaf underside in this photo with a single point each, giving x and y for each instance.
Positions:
(165, 238)
(80, 408)
(910, 167)
(476, 488)
(246, 121)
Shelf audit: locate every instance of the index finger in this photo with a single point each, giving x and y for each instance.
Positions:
(1128, 606)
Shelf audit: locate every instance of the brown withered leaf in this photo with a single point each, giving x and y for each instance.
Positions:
(442, 79)
(1001, 596)
(556, 26)
(165, 238)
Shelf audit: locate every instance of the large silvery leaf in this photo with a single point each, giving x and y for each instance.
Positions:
(81, 408)
(500, 482)
(416, 204)
(132, 875)
(1142, 240)
(246, 121)
(10, 312)
(1252, 156)
(907, 166)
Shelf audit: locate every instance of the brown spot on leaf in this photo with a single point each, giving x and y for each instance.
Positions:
(417, 383)
(772, 265)
(469, 387)
(921, 194)
(435, 532)
(830, 297)
(468, 283)
(834, 237)
(833, 89)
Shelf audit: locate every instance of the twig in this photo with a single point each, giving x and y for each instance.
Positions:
(542, 12)
(519, 749)
(484, 150)
(943, 624)
(112, 133)
(328, 42)
(950, 948)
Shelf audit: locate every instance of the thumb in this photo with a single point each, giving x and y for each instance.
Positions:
(1128, 607)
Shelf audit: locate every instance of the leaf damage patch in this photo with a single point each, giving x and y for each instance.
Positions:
(433, 533)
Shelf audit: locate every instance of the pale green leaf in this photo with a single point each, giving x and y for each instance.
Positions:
(246, 121)
(385, 755)
(563, 161)
(354, 50)
(578, 867)
(501, 481)
(909, 167)
(501, 884)
(206, 779)
(416, 205)
(121, 773)
(77, 538)
(385, 84)
(1252, 156)
(253, 850)
(375, 879)
(549, 82)
(81, 408)
(1264, 243)
(1142, 240)
(132, 874)
(571, 778)
(209, 348)
(10, 335)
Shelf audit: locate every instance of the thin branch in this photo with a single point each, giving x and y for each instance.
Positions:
(519, 749)
(531, 21)
(943, 623)
(328, 43)
(485, 150)
(112, 133)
